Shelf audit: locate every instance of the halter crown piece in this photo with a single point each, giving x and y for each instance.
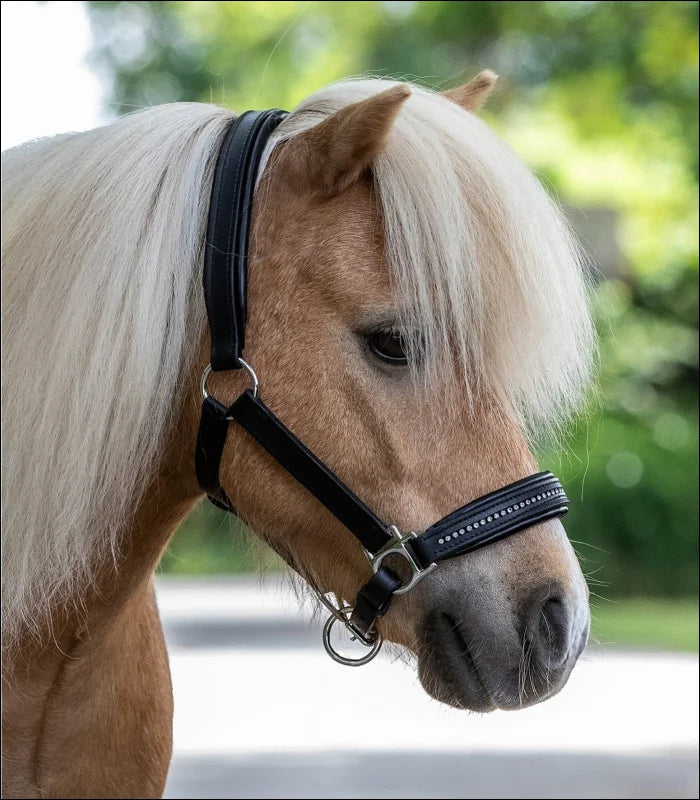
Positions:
(483, 521)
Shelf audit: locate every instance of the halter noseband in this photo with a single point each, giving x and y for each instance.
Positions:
(483, 521)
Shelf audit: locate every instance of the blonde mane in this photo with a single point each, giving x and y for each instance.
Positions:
(102, 310)
(101, 315)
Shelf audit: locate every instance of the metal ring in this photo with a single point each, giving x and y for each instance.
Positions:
(203, 381)
(375, 646)
(251, 372)
(246, 366)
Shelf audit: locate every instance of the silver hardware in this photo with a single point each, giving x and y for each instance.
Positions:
(246, 366)
(343, 615)
(341, 659)
(251, 372)
(203, 381)
(397, 546)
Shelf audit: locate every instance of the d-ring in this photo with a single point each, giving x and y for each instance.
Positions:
(203, 381)
(251, 372)
(246, 366)
(375, 646)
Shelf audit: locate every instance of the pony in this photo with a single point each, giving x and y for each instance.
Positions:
(418, 316)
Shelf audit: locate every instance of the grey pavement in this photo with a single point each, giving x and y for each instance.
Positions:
(262, 712)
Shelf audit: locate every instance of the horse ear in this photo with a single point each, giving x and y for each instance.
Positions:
(471, 96)
(333, 154)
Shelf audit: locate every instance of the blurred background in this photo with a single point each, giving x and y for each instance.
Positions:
(600, 99)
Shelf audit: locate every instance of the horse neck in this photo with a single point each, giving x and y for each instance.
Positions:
(170, 496)
(118, 586)
(86, 662)
(166, 503)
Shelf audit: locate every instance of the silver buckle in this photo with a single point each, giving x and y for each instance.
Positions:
(397, 546)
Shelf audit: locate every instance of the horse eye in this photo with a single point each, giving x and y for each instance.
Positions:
(389, 346)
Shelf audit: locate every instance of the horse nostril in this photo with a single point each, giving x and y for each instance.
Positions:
(549, 629)
(554, 628)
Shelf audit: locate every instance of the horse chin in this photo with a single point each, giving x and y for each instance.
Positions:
(450, 674)
(476, 679)
(461, 688)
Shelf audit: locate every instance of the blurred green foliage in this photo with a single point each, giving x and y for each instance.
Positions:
(646, 622)
(212, 542)
(600, 99)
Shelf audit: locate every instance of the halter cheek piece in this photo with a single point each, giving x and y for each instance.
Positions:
(481, 522)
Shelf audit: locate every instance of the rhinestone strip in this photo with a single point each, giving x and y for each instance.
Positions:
(508, 510)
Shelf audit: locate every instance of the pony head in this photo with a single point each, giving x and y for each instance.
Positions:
(417, 315)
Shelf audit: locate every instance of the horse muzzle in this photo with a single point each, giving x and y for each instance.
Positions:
(482, 645)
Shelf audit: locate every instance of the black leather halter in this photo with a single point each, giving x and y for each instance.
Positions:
(483, 521)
